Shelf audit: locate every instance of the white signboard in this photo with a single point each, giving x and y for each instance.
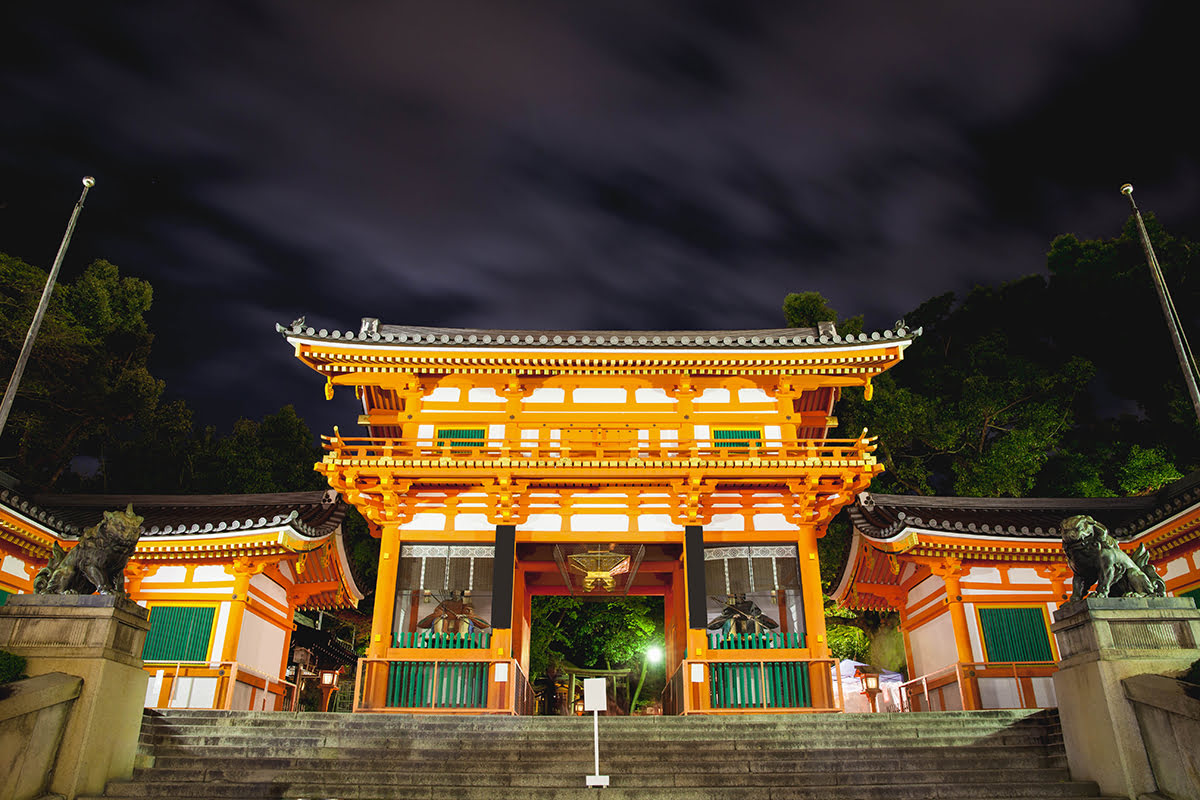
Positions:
(594, 695)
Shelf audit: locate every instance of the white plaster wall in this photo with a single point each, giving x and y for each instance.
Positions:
(13, 566)
(599, 522)
(1043, 692)
(425, 522)
(445, 394)
(1027, 576)
(1174, 568)
(219, 632)
(999, 693)
(923, 590)
(701, 433)
(973, 631)
(753, 396)
(713, 396)
(983, 575)
(483, 394)
(469, 522)
(772, 434)
(541, 522)
(172, 575)
(726, 522)
(260, 645)
(154, 689)
(425, 432)
(547, 394)
(194, 693)
(599, 394)
(211, 573)
(652, 396)
(933, 645)
(270, 588)
(774, 522)
(657, 522)
(495, 435)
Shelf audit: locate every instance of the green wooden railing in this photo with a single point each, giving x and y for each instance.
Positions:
(428, 684)
(448, 641)
(770, 684)
(755, 641)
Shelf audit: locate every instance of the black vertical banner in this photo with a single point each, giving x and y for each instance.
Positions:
(502, 576)
(693, 552)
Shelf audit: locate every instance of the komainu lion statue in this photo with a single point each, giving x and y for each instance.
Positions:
(97, 563)
(1096, 558)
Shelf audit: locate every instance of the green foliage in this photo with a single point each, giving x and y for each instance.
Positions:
(88, 372)
(806, 309)
(1146, 471)
(847, 642)
(602, 634)
(12, 667)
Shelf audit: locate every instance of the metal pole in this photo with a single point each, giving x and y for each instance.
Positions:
(596, 738)
(11, 392)
(1178, 340)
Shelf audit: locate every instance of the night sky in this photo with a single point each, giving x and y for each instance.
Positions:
(572, 164)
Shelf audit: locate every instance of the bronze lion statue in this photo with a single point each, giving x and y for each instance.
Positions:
(1096, 558)
(97, 563)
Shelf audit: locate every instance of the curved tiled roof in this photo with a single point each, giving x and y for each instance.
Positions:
(417, 336)
(309, 514)
(881, 516)
(37, 513)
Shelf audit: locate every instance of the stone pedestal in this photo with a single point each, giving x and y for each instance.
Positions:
(98, 638)
(1103, 641)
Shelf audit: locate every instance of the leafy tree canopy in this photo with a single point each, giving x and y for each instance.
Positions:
(597, 634)
(88, 371)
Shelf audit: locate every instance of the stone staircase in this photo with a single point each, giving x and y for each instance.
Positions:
(951, 756)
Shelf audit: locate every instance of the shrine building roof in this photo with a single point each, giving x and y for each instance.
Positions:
(884, 516)
(371, 331)
(309, 514)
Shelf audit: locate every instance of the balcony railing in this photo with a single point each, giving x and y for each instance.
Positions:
(754, 685)
(443, 686)
(599, 450)
(975, 686)
(214, 685)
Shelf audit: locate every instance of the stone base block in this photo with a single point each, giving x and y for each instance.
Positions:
(98, 638)
(1103, 641)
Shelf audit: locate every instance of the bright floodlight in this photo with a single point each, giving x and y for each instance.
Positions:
(654, 654)
(89, 181)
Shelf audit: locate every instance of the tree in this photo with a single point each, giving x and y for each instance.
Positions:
(88, 371)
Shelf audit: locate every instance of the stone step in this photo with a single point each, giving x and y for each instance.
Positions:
(843, 763)
(617, 791)
(355, 758)
(564, 774)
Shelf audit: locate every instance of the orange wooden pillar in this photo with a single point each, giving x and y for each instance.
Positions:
(242, 570)
(951, 570)
(374, 676)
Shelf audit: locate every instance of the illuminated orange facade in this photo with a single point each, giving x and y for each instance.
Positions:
(975, 581)
(500, 465)
(222, 575)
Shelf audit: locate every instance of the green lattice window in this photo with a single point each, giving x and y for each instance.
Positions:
(1194, 594)
(726, 437)
(1015, 634)
(460, 437)
(179, 633)
(3, 597)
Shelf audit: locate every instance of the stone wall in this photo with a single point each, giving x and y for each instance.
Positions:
(33, 716)
(1168, 714)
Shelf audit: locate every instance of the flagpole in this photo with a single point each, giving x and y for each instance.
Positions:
(11, 392)
(1183, 351)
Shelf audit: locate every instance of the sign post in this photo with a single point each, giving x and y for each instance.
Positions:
(595, 700)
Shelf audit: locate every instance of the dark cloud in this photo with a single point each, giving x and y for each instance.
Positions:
(575, 165)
